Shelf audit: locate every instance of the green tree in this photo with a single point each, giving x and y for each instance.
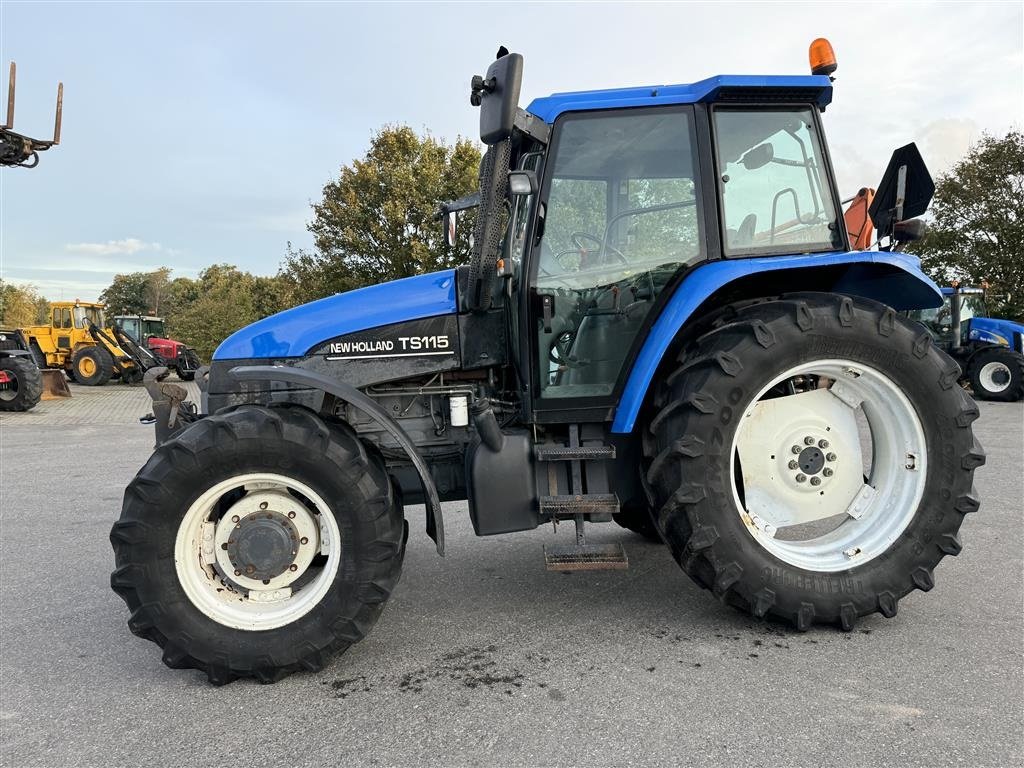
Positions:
(978, 229)
(21, 305)
(138, 293)
(222, 300)
(376, 222)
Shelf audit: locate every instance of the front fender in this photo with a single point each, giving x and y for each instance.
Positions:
(352, 396)
(891, 278)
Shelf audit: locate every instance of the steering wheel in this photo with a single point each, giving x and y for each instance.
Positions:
(602, 247)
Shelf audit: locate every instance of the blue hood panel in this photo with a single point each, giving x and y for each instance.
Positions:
(295, 331)
(983, 328)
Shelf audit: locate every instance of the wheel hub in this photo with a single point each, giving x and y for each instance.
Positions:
(263, 545)
(801, 459)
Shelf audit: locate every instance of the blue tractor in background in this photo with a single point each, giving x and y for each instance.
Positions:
(663, 325)
(990, 350)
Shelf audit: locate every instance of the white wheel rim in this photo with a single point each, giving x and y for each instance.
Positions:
(222, 587)
(776, 501)
(994, 376)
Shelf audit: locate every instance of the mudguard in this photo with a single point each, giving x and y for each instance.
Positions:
(355, 398)
(892, 278)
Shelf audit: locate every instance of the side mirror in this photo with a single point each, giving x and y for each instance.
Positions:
(758, 157)
(450, 221)
(497, 95)
(909, 230)
(522, 183)
(905, 191)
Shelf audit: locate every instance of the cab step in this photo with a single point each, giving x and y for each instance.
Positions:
(585, 557)
(574, 453)
(580, 504)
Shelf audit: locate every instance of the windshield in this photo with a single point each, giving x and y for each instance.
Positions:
(939, 320)
(774, 187)
(93, 314)
(152, 328)
(621, 219)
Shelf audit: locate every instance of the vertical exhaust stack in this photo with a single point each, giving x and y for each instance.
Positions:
(17, 149)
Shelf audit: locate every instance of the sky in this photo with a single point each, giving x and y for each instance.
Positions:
(200, 133)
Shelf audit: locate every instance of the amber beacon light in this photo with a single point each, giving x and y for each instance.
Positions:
(822, 57)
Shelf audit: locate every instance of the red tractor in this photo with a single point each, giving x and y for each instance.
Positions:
(147, 330)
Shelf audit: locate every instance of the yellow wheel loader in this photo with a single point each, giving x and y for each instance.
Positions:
(78, 341)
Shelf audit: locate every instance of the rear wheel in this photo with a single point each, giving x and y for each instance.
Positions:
(92, 366)
(813, 459)
(21, 384)
(258, 542)
(997, 374)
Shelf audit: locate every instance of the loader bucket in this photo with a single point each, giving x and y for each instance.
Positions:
(55, 385)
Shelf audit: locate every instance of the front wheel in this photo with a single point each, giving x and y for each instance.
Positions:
(92, 366)
(997, 374)
(258, 542)
(21, 384)
(813, 459)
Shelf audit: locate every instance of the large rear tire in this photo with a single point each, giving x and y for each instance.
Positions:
(25, 386)
(764, 490)
(92, 366)
(258, 542)
(997, 374)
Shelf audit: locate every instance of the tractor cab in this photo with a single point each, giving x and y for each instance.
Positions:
(141, 327)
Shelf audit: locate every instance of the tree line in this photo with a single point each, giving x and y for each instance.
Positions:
(377, 221)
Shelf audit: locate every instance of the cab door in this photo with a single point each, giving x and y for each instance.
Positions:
(623, 217)
(62, 328)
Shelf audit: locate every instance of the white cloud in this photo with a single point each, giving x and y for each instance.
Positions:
(127, 246)
(945, 141)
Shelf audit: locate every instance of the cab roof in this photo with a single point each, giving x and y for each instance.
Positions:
(749, 89)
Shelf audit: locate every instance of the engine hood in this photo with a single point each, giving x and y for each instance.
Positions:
(994, 331)
(295, 331)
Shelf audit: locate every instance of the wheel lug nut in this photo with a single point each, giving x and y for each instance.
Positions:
(234, 518)
(815, 481)
(827, 472)
(224, 546)
(263, 505)
(793, 464)
(237, 572)
(293, 567)
(801, 478)
(291, 515)
(808, 440)
(795, 449)
(823, 443)
(830, 456)
(250, 568)
(304, 540)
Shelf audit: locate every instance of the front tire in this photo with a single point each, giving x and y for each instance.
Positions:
(25, 386)
(734, 488)
(997, 374)
(92, 366)
(258, 542)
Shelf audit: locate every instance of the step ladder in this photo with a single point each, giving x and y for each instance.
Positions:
(578, 505)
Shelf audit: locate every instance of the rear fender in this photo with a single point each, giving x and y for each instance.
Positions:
(891, 278)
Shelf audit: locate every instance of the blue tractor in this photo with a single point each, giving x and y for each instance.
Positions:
(663, 325)
(989, 350)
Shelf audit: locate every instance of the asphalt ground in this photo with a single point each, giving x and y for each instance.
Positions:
(484, 658)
